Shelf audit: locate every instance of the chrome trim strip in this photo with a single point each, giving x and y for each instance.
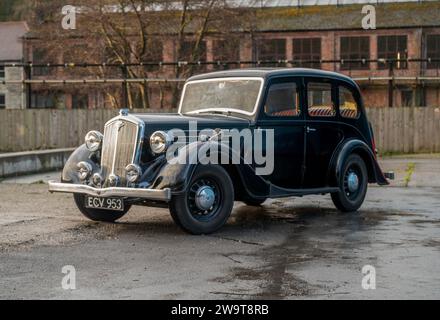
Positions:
(150, 194)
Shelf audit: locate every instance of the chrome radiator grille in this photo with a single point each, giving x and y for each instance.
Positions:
(119, 148)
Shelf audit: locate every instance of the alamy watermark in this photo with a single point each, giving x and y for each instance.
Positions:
(68, 281)
(254, 147)
(69, 20)
(369, 20)
(369, 277)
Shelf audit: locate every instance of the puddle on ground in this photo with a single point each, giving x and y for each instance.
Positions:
(312, 233)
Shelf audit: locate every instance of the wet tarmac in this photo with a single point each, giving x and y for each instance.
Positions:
(295, 248)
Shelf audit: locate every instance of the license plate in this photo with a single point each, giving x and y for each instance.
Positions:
(115, 204)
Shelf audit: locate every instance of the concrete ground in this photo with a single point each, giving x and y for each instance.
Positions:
(286, 249)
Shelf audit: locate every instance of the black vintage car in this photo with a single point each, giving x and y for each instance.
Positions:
(296, 132)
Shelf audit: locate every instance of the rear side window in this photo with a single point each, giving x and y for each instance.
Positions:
(282, 100)
(320, 101)
(348, 106)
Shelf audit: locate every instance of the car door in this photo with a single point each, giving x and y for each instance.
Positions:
(282, 112)
(323, 133)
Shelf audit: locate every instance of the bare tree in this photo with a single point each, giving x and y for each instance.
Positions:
(127, 32)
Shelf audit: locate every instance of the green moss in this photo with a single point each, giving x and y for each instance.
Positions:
(336, 10)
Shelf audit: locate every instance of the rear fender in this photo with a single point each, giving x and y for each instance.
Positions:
(375, 174)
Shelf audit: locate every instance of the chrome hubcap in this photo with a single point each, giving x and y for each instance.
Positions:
(353, 182)
(205, 198)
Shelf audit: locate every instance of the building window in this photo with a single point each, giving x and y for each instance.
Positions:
(392, 47)
(39, 56)
(271, 50)
(43, 100)
(80, 101)
(2, 72)
(154, 54)
(223, 50)
(189, 51)
(2, 101)
(355, 48)
(433, 50)
(407, 97)
(307, 49)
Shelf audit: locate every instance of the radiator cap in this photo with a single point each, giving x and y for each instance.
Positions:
(123, 112)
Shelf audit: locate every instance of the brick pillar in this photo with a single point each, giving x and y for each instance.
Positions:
(328, 50)
(246, 49)
(373, 51)
(289, 49)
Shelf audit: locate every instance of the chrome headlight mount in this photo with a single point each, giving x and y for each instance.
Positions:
(93, 140)
(160, 141)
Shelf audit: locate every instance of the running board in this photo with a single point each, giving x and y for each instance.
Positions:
(278, 192)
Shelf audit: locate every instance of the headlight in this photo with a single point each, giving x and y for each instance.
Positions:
(84, 170)
(160, 141)
(133, 172)
(93, 140)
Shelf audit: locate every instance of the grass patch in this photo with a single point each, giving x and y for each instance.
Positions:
(38, 182)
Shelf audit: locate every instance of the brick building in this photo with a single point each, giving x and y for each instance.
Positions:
(327, 34)
(12, 95)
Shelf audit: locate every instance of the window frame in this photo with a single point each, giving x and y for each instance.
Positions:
(355, 95)
(311, 55)
(39, 58)
(2, 72)
(436, 51)
(334, 97)
(351, 42)
(267, 56)
(386, 53)
(299, 90)
(186, 48)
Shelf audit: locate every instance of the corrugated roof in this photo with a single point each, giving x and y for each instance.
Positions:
(391, 15)
(11, 34)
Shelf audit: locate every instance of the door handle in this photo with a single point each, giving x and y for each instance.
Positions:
(310, 130)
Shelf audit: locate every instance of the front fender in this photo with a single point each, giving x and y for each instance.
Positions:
(177, 174)
(375, 174)
(69, 174)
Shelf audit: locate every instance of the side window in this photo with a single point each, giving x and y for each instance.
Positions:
(320, 101)
(282, 100)
(347, 104)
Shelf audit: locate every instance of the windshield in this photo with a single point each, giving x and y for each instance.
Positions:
(221, 95)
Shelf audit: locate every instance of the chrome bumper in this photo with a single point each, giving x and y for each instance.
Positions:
(150, 194)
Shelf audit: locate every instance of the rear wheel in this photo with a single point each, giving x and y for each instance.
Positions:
(98, 214)
(207, 203)
(353, 185)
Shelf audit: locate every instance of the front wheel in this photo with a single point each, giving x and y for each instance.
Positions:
(98, 214)
(353, 185)
(207, 203)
